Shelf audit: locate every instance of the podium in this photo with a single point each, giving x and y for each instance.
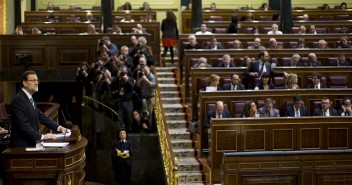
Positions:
(52, 166)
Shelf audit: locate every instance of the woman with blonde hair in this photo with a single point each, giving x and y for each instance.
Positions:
(291, 81)
(250, 110)
(213, 83)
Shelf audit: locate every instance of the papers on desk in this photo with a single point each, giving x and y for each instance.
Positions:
(56, 145)
(60, 136)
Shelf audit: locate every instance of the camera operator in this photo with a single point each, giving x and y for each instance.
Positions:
(146, 83)
(84, 80)
(141, 124)
(121, 89)
(124, 58)
(143, 50)
(112, 67)
(102, 85)
(105, 44)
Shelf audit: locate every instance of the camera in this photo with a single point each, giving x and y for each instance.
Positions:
(140, 74)
(123, 58)
(101, 42)
(122, 74)
(145, 114)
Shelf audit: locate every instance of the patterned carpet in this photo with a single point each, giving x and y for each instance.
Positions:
(190, 167)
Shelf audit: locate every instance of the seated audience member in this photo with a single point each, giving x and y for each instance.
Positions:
(265, 82)
(322, 44)
(213, 7)
(139, 29)
(249, 17)
(116, 29)
(273, 44)
(312, 60)
(274, 30)
(297, 109)
(255, 30)
(305, 17)
(237, 44)
(268, 110)
(275, 17)
(50, 6)
(19, 30)
(345, 42)
(72, 7)
(344, 29)
(148, 18)
(325, 109)
(192, 39)
(219, 112)
(90, 30)
(301, 44)
(343, 6)
(203, 30)
(341, 61)
(325, 7)
(234, 85)
(36, 31)
(145, 6)
(226, 62)
(234, 26)
(302, 30)
(73, 19)
(213, 44)
(202, 62)
(126, 6)
(140, 122)
(250, 110)
(264, 7)
(51, 18)
(316, 79)
(312, 29)
(346, 109)
(128, 18)
(257, 44)
(295, 61)
(292, 81)
(246, 61)
(90, 18)
(213, 83)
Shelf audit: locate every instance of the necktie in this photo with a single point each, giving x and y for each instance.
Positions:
(32, 101)
(325, 113)
(261, 69)
(316, 87)
(235, 87)
(297, 113)
(268, 113)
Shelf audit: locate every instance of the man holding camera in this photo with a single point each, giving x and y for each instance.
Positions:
(146, 83)
(105, 44)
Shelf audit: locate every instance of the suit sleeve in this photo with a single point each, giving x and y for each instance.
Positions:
(207, 121)
(43, 119)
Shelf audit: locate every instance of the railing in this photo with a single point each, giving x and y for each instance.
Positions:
(170, 161)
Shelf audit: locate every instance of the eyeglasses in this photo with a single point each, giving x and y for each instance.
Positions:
(34, 80)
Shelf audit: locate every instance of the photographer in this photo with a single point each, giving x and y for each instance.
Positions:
(121, 89)
(143, 50)
(102, 85)
(105, 44)
(146, 83)
(141, 124)
(84, 79)
(124, 58)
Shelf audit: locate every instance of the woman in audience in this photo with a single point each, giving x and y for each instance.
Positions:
(116, 29)
(213, 83)
(126, 6)
(264, 7)
(19, 30)
(249, 17)
(345, 42)
(301, 44)
(325, 7)
(246, 61)
(128, 18)
(250, 110)
(343, 6)
(292, 81)
(265, 82)
(234, 25)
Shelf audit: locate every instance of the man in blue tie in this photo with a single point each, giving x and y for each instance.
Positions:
(25, 116)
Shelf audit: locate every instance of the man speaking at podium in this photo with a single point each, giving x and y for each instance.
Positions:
(25, 115)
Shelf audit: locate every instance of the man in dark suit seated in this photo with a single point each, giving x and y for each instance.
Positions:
(213, 44)
(295, 61)
(341, 61)
(257, 67)
(316, 79)
(296, 109)
(268, 110)
(219, 112)
(312, 60)
(325, 109)
(234, 85)
(346, 108)
(25, 115)
(226, 62)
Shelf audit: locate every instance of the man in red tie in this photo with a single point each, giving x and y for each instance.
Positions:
(325, 109)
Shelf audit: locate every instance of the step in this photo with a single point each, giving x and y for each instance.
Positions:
(179, 153)
(165, 69)
(190, 177)
(175, 116)
(176, 123)
(182, 143)
(188, 164)
(170, 94)
(168, 87)
(167, 80)
(179, 133)
(171, 100)
(173, 108)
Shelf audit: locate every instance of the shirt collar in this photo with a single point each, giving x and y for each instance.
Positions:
(27, 93)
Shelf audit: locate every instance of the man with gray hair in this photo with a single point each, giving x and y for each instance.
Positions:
(268, 109)
(219, 112)
(312, 60)
(295, 61)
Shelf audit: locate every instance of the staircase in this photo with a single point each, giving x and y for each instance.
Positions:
(190, 168)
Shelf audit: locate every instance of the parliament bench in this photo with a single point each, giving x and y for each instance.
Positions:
(250, 135)
(59, 27)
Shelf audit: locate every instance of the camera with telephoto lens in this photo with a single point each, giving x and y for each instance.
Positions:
(101, 42)
(145, 115)
(141, 72)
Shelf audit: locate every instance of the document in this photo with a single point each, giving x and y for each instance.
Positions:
(56, 145)
(60, 136)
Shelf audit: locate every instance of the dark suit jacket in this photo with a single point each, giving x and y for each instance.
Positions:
(288, 64)
(290, 111)
(218, 46)
(228, 87)
(122, 147)
(334, 63)
(319, 112)
(318, 63)
(212, 114)
(311, 86)
(25, 120)
(273, 112)
(254, 67)
(231, 65)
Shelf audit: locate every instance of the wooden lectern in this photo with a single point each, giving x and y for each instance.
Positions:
(53, 166)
